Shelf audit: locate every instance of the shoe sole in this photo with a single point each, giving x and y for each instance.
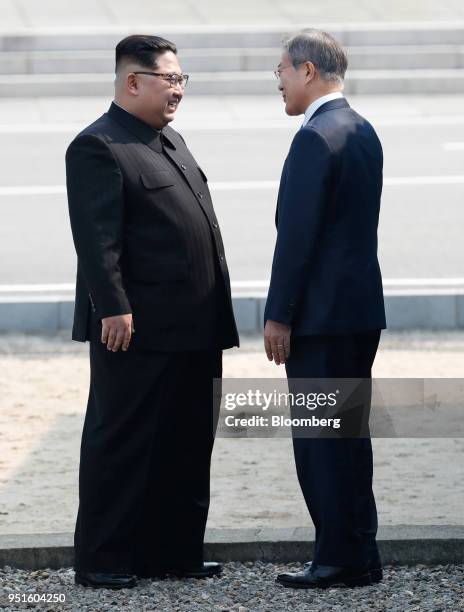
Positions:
(158, 576)
(193, 575)
(358, 581)
(86, 583)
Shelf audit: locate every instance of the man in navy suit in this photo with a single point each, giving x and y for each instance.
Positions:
(325, 307)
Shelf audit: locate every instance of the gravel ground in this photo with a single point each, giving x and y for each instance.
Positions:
(247, 587)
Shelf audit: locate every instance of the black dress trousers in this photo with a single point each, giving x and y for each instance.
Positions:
(145, 459)
(335, 473)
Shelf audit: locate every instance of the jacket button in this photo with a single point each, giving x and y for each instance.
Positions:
(200, 195)
(221, 257)
(215, 225)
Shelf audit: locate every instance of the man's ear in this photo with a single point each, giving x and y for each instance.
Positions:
(310, 71)
(132, 84)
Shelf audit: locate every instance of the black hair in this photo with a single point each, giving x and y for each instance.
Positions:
(142, 49)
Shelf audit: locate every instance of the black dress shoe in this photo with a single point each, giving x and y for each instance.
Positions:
(206, 570)
(324, 576)
(375, 571)
(103, 580)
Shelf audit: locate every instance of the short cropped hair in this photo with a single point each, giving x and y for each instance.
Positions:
(142, 50)
(322, 50)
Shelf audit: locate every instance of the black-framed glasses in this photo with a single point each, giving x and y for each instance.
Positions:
(173, 78)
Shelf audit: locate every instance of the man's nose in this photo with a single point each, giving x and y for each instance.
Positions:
(178, 93)
(179, 89)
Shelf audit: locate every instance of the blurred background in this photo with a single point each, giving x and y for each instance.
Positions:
(406, 75)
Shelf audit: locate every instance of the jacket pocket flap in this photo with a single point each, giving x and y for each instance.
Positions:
(154, 180)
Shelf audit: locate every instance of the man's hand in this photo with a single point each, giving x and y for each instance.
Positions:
(277, 341)
(117, 332)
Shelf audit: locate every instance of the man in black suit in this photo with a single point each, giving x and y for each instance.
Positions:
(153, 298)
(325, 307)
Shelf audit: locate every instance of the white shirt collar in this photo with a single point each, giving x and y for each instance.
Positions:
(312, 108)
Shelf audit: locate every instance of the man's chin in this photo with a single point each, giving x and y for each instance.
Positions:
(169, 117)
(290, 109)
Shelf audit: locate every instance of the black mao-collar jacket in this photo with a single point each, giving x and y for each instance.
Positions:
(147, 237)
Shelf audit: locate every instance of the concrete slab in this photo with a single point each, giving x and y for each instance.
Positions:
(246, 314)
(381, 57)
(11, 15)
(29, 316)
(65, 315)
(399, 545)
(224, 110)
(375, 82)
(232, 83)
(421, 312)
(143, 12)
(42, 405)
(242, 35)
(404, 312)
(460, 311)
(59, 13)
(49, 13)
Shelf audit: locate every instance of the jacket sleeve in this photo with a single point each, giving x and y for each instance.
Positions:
(96, 210)
(301, 210)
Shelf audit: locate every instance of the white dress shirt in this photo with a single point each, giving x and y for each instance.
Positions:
(312, 108)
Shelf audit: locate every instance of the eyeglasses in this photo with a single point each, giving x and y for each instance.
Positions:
(279, 70)
(173, 79)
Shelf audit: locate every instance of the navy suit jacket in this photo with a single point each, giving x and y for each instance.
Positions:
(325, 274)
